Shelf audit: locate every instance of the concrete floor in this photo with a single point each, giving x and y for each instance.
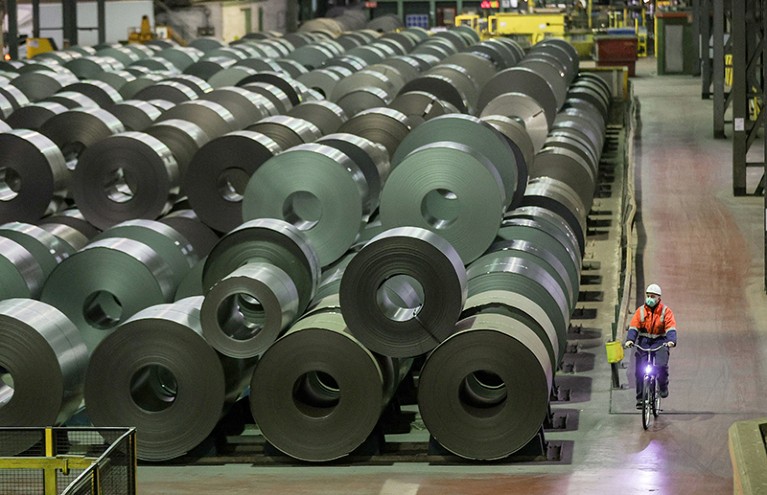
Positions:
(705, 248)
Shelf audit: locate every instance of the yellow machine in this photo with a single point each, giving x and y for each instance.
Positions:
(146, 33)
(536, 26)
(36, 46)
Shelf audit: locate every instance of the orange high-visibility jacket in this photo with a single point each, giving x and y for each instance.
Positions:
(653, 323)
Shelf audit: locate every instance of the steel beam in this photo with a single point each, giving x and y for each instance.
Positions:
(69, 22)
(720, 105)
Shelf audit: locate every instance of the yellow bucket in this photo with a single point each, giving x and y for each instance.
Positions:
(614, 351)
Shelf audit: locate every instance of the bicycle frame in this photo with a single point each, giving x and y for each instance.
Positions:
(650, 392)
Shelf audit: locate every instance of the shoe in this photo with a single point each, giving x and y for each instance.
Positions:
(663, 393)
(639, 404)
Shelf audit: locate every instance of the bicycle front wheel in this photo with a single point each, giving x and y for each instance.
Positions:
(647, 405)
(655, 398)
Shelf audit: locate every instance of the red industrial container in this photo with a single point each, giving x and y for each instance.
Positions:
(618, 49)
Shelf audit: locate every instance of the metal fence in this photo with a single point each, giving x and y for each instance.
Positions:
(67, 461)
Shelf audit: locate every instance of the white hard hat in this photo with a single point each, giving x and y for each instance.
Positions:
(653, 289)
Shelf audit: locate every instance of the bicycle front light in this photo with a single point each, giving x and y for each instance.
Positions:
(648, 369)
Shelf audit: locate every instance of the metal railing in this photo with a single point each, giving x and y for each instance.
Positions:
(73, 461)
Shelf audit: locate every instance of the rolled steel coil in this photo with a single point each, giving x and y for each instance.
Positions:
(93, 66)
(385, 126)
(402, 294)
(267, 240)
(291, 67)
(559, 197)
(323, 80)
(135, 115)
(524, 108)
(158, 373)
(199, 85)
(116, 279)
(246, 107)
(47, 249)
(420, 106)
(127, 176)
(181, 57)
(275, 95)
(571, 169)
(182, 137)
(245, 312)
(129, 89)
(483, 393)
(317, 188)
(172, 91)
(207, 68)
(325, 115)
(206, 44)
(213, 118)
(21, 273)
(187, 223)
(42, 84)
(218, 174)
(286, 131)
(363, 98)
(551, 221)
(33, 116)
(71, 99)
(296, 399)
(449, 189)
(521, 80)
(371, 158)
(73, 218)
(285, 83)
(170, 244)
(75, 130)
(14, 96)
(46, 359)
(474, 134)
(33, 173)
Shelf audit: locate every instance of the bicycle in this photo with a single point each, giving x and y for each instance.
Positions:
(650, 388)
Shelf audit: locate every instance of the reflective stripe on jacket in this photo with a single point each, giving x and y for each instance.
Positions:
(653, 322)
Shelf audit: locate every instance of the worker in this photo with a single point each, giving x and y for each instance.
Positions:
(652, 325)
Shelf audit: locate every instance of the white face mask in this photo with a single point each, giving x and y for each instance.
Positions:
(651, 301)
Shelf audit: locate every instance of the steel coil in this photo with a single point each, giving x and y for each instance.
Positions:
(116, 279)
(267, 240)
(403, 292)
(483, 393)
(183, 138)
(33, 173)
(317, 188)
(297, 387)
(158, 373)
(46, 360)
(127, 176)
(219, 172)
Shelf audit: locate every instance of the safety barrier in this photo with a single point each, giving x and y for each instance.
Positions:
(68, 461)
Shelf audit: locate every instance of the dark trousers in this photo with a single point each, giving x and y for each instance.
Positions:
(661, 363)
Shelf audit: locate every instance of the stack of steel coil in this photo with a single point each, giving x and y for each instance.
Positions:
(440, 183)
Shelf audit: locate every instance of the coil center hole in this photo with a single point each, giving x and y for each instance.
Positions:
(102, 310)
(303, 209)
(120, 186)
(153, 388)
(316, 394)
(231, 184)
(482, 393)
(10, 184)
(241, 316)
(6, 386)
(440, 208)
(400, 297)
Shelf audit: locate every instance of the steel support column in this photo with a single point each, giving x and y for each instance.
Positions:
(747, 85)
(697, 42)
(13, 28)
(35, 18)
(721, 99)
(101, 20)
(69, 22)
(704, 29)
(764, 100)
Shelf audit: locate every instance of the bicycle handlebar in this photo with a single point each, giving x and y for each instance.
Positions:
(653, 349)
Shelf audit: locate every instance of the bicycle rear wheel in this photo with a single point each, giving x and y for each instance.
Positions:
(647, 387)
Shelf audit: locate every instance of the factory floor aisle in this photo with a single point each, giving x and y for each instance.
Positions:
(704, 247)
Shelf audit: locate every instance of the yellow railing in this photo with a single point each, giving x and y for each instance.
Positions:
(88, 450)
